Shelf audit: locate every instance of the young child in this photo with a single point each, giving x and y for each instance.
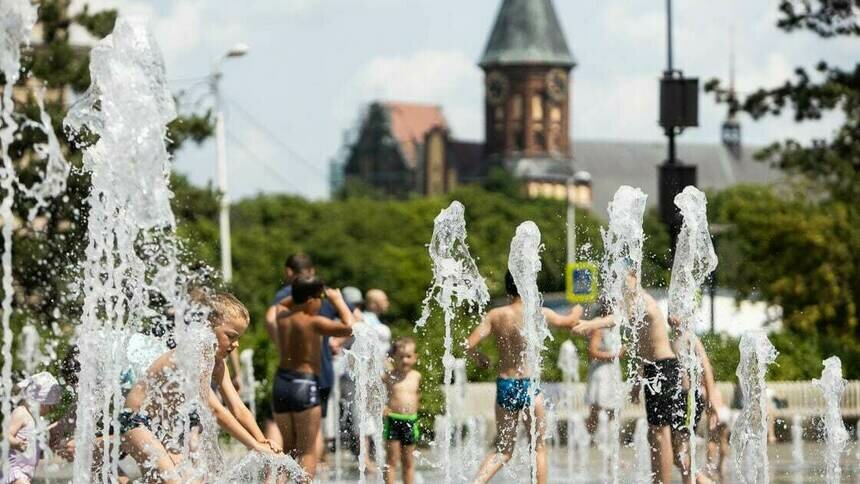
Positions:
(295, 390)
(22, 435)
(665, 400)
(155, 396)
(513, 395)
(400, 427)
(707, 396)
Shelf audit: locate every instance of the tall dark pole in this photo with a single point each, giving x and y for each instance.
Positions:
(670, 130)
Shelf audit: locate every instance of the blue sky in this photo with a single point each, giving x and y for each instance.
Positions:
(314, 63)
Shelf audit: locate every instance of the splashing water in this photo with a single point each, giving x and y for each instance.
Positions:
(524, 264)
(254, 467)
(249, 381)
(749, 433)
(456, 284)
(642, 451)
(832, 386)
(604, 444)
(797, 440)
(366, 369)
(131, 278)
(568, 363)
(694, 261)
(18, 18)
(623, 239)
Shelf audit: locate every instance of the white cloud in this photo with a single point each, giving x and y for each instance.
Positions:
(448, 78)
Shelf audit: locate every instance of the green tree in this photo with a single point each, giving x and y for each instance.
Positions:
(44, 252)
(805, 239)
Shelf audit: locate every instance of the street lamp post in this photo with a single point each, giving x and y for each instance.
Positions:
(237, 50)
(679, 109)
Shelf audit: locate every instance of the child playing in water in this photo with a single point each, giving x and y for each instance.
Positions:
(513, 394)
(22, 435)
(400, 428)
(665, 400)
(155, 395)
(295, 391)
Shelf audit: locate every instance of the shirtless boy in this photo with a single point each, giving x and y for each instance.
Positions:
(513, 394)
(156, 398)
(665, 400)
(707, 396)
(400, 429)
(295, 392)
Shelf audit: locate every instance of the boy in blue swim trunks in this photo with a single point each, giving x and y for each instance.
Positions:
(513, 394)
(400, 421)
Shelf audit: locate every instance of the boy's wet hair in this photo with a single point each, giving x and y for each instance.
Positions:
(224, 307)
(402, 342)
(307, 287)
(510, 285)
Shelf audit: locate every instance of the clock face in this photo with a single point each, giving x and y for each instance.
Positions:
(497, 87)
(556, 84)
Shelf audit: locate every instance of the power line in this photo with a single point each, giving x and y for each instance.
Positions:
(274, 137)
(255, 157)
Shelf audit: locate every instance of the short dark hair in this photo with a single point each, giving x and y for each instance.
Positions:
(299, 263)
(510, 285)
(307, 287)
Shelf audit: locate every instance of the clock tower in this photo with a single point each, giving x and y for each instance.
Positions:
(527, 67)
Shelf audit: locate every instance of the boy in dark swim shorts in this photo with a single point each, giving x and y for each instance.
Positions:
(296, 397)
(400, 420)
(665, 398)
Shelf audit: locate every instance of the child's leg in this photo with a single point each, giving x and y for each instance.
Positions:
(392, 455)
(506, 434)
(681, 452)
(660, 440)
(407, 460)
(591, 421)
(540, 428)
(150, 454)
(287, 432)
(306, 426)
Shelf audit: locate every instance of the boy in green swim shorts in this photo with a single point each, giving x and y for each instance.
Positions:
(400, 418)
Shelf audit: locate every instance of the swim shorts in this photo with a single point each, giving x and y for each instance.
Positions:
(665, 399)
(402, 427)
(294, 391)
(513, 394)
(129, 420)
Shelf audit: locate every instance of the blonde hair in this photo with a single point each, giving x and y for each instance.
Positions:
(224, 307)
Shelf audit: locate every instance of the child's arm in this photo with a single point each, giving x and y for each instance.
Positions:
(228, 422)
(594, 351)
(272, 315)
(587, 326)
(714, 398)
(478, 334)
(343, 312)
(234, 404)
(18, 420)
(563, 321)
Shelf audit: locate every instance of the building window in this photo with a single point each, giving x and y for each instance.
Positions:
(517, 115)
(537, 107)
(499, 118)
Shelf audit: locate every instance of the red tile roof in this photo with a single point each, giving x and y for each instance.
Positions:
(410, 123)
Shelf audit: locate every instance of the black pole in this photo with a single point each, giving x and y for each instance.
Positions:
(670, 131)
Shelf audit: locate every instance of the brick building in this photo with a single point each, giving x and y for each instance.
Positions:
(405, 148)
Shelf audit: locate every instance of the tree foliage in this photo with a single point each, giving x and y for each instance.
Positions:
(802, 240)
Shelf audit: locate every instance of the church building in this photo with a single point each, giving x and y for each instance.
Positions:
(403, 148)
